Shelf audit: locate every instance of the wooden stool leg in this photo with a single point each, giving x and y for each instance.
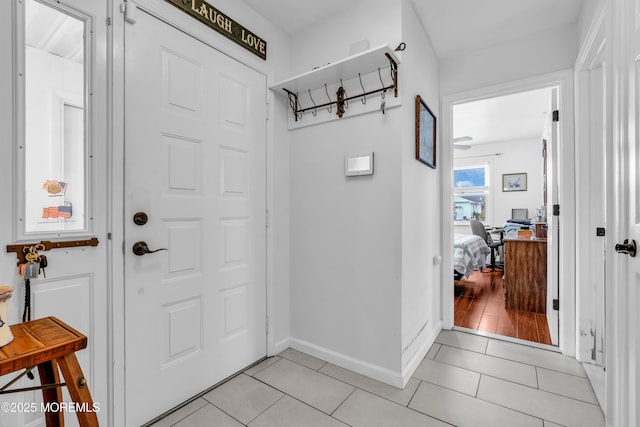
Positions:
(49, 375)
(78, 389)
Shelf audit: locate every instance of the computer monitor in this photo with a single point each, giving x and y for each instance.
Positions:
(519, 213)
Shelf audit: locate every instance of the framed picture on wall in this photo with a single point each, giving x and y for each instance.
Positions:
(514, 182)
(425, 134)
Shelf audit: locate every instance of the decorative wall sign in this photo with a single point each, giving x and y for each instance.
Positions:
(218, 21)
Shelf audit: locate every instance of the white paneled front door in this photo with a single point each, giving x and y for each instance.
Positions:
(195, 156)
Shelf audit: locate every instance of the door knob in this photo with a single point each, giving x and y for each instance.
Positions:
(627, 247)
(141, 248)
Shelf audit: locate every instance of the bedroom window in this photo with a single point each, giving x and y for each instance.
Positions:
(471, 189)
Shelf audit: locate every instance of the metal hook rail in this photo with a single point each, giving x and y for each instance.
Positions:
(297, 109)
(19, 249)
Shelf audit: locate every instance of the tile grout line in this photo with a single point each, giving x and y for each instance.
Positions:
(342, 403)
(532, 388)
(510, 381)
(353, 385)
(483, 400)
(266, 409)
(506, 407)
(414, 392)
(186, 416)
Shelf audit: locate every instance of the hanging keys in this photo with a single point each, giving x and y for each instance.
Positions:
(42, 261)
(31, 270)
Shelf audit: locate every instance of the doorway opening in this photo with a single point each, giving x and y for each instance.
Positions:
(505, 240)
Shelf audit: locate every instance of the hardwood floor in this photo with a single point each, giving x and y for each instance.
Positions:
(481, 307)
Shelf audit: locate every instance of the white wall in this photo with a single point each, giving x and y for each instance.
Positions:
(330, 40)
(346, 232)
(526, 57)
(363, 286)
(587, 14)
(421, 213)
(516, 157)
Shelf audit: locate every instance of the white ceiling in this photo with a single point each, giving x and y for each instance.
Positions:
(294, 15)
(453, 26)
(460, 26)
(52, 31)
(507, 118)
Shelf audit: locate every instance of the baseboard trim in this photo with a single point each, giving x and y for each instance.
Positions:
(376, 372)
(280, 346)
(419, 355)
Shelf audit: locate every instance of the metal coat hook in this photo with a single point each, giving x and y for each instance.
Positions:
(315, 108)
(345, 103)
(329, 98)
(380, 75)
(384, 89)
(340, 96)
(364, 92)
(298, 115)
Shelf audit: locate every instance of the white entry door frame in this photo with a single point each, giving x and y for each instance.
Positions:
(566, 193)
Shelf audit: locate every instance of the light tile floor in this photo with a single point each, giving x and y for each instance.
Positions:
(465, 380)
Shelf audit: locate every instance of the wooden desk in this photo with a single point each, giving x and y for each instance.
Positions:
(48, 343)
(525, 274)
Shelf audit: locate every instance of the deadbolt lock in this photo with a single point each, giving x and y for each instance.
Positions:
(140, 218)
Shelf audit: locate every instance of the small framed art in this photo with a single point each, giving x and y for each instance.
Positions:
(425, 134)
(514, 181)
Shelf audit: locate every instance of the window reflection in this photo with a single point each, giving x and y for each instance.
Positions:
(55, 169)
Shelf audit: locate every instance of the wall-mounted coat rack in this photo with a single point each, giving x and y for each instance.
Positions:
(19, 249)
(376, 60)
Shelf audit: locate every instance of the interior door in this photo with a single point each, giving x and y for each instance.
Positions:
(195, 156)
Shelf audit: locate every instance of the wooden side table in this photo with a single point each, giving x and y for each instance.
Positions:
(49, 343)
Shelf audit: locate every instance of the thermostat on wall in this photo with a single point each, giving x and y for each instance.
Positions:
(358, 164)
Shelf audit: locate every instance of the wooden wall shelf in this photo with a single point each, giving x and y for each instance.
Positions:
(352, 67)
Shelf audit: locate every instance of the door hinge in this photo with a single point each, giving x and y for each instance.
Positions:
(556, 210)
(556, 115)
(108, 21)
(267, 112)
(267, 214)
(556, 304)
